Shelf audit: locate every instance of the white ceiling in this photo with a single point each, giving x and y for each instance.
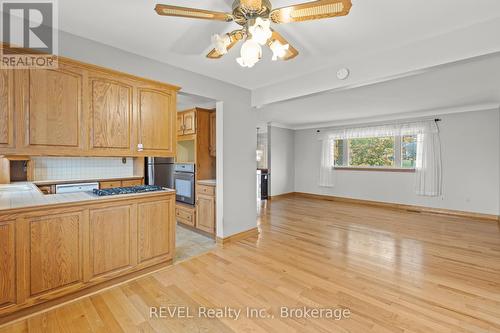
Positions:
(133, 25)
(470, 83)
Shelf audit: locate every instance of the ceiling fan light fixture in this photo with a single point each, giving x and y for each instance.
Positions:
(279, 50)
(221, 43)
(251, 52)
(261, 30)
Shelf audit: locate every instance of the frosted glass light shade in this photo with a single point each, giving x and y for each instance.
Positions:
(251, 52)
(261, 30)
(279, 50)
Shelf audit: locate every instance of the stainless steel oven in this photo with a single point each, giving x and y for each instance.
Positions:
(184, 182)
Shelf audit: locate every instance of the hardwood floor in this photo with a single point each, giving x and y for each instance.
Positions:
(395, 271)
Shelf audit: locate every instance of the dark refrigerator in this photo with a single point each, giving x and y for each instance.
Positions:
(159, 171)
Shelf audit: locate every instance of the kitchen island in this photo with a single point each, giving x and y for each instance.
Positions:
(59, 245)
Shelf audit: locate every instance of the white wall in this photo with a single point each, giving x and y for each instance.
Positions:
(470, 152)
(282, 148)
(237, 207)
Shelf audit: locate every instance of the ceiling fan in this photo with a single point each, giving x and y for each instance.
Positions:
(255, 17)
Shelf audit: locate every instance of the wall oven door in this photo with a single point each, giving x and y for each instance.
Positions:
(184, 186)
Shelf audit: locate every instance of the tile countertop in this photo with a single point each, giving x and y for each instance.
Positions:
(22, 195)
(209, 182)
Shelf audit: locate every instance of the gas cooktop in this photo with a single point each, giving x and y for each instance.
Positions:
(127, 190)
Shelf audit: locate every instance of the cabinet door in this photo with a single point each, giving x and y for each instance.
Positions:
(111, 115)
(156, 230)
(111, 245)
(53, 109)
(156, 114)
(213, 131)
(189, 121)
(7, 264)
(6, 107)
(54, 253)
(131, 182)
(180, 124)
(110, 184)
(205, 213)
(184, 215)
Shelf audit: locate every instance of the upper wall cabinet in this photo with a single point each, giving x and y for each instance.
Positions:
(213, 134)
(186, 122)
(110, 114)
(157, 121)
(85, 110)
(6, 108)
(52, 114)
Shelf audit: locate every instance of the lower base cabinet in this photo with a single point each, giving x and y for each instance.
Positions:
(185, 214)
(205, 213)
(205, 208)
(46, 254)
(112, 242)
(7, 264)
(54, 253)
(156, 239)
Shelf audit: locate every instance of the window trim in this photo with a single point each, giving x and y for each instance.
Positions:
(374, 168)
(398, 159)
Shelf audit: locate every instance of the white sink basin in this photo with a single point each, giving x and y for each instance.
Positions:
(14, 188)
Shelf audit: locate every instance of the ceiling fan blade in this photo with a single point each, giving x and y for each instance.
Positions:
(290, 53)
(168, 10)
(311, 11)
(235, 37)
(251, 5)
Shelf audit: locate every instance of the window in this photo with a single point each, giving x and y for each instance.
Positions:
(377, 152)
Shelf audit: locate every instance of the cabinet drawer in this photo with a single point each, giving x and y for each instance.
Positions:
(110, 184)
(185, 216)
(132, 182)
(204, 189)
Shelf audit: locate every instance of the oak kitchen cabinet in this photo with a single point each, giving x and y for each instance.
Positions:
(205, 208)
(85, 110)
(156, 127)
(50, 252)
(7, 264)
(111, 113)
(6, 108)
(213, 132)
(186, 122)
(51, 109)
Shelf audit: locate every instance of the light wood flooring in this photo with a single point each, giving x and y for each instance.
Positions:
(395, 271)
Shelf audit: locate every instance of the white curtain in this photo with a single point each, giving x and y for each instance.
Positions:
(428, 178)
(326, 171)
(402, 129)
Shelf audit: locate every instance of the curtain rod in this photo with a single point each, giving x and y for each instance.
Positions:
(382, 123)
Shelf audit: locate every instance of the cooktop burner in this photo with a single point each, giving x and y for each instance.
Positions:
(127, 190)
